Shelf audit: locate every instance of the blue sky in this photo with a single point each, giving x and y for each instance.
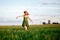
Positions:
(39, 7)
(12, 8)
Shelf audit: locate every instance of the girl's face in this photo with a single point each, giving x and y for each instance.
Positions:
(26, 13)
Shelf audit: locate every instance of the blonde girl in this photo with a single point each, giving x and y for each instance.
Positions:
(25, 23)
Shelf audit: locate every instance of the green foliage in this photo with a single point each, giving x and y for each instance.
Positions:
(34, 33)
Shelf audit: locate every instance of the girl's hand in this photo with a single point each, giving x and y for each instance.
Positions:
(16, 17)
(30, 20)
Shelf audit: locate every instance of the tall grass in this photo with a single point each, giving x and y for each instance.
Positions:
(36, 32)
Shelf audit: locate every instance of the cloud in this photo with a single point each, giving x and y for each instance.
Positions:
(52, 3)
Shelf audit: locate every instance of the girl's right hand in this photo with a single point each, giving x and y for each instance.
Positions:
(16, 17)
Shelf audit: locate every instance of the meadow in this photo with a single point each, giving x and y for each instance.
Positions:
(35, 32)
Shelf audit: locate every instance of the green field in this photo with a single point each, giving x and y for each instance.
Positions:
(35, 32)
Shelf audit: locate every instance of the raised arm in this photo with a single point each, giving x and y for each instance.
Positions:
(30, 20)
(18, 17)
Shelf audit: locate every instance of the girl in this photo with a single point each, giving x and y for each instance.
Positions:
(25, 23)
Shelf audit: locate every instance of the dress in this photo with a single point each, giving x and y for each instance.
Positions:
(25, 22)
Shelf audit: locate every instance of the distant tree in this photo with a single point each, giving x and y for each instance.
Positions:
(44, 23)
(55, 23)
(48, 21)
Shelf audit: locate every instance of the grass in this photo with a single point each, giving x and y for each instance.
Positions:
(36, 32)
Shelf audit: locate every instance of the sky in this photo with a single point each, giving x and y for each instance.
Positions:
(9, 9)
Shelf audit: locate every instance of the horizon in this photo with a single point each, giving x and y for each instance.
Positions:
(36, 20)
